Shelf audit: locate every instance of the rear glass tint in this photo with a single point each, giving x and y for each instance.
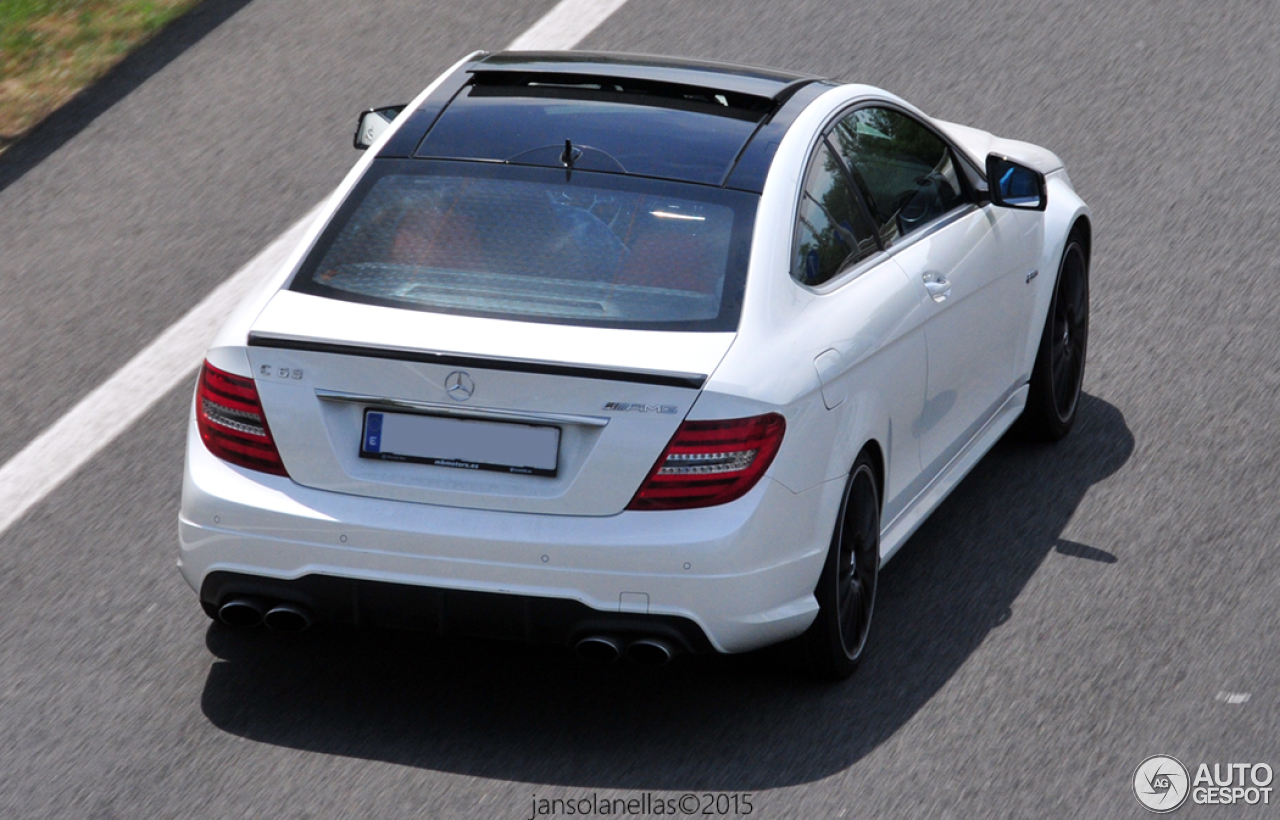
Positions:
(537, 245)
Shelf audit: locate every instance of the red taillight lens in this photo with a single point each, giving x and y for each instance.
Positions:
(231, 421)
(711, 462)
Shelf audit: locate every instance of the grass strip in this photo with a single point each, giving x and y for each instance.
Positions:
(50, 49)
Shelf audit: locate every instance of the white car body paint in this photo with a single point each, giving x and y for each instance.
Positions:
(846, 364)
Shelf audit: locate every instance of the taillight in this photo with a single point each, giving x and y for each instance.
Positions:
(711, 462)
(232, 425)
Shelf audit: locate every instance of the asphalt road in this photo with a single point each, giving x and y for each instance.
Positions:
(1069, 611)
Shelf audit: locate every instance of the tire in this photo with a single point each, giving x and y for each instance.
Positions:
(846, 591)
(1058, 374)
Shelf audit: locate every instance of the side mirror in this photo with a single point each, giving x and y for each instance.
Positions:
(1013, 185)
(372, 123)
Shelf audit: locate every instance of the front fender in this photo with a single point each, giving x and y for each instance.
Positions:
(1065, 208)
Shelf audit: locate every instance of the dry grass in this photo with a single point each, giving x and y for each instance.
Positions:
(50, 49)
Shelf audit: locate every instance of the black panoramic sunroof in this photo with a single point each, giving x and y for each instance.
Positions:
(759, 82)
(644, 128)
(626, 90)
(681, 120)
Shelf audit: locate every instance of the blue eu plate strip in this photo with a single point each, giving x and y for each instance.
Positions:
(373, 432)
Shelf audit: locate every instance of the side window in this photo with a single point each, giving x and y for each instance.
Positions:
(832, 231)
(905, 171)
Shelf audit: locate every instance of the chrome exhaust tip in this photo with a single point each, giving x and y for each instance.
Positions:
(287, 618)
(650, 652)
(241, 613)
(599, 648)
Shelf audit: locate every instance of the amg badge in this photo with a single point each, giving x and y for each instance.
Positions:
(633, 407)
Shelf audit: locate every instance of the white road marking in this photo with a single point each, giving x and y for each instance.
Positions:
(566, 25)
(1234, 698)
(57, 453)
(62, 449)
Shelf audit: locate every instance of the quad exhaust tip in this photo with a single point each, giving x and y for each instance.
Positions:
(599, 648)
(607, 649)
(287, 618)
(650, 652)
(242, 613)
(247, 613)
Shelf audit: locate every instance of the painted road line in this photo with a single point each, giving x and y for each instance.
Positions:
(565, 25)
(110, 409)
(56, 454)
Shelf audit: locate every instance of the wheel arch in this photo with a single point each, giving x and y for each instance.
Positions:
(876, 453)
(1083, 228)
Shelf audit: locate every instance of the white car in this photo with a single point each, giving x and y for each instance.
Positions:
(630, 354)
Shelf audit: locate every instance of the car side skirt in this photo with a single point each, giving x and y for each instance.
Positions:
(903, 526)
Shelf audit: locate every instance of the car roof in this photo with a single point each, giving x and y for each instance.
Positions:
(759, 82)
(684, 120)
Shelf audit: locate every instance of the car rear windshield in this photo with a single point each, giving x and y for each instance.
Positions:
(537, 245)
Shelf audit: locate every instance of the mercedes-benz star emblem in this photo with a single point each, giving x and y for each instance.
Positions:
(459, 386)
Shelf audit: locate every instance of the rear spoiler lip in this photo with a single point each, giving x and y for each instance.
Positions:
(693, 381)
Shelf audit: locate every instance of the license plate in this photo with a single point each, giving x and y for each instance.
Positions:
(466, 444)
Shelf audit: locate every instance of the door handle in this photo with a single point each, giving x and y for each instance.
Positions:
(938, 286)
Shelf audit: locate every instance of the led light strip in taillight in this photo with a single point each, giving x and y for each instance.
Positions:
(707, 463)
(231, 422)
(238, 420)
(711, 462)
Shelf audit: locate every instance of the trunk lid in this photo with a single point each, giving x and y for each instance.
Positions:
(614, 398)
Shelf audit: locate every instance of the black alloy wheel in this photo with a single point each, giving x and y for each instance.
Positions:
(1059, 369)
(846, 591)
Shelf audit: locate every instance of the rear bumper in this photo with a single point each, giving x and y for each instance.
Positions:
(743, 573)
(452, 612)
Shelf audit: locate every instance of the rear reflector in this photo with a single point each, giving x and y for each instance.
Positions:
(711, 462)
(232, 425)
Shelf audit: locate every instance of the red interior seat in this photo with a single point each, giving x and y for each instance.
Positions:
(678, 261)
(441, 240)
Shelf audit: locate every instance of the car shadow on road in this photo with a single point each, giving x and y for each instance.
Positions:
(738, 723)
(75, 115)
